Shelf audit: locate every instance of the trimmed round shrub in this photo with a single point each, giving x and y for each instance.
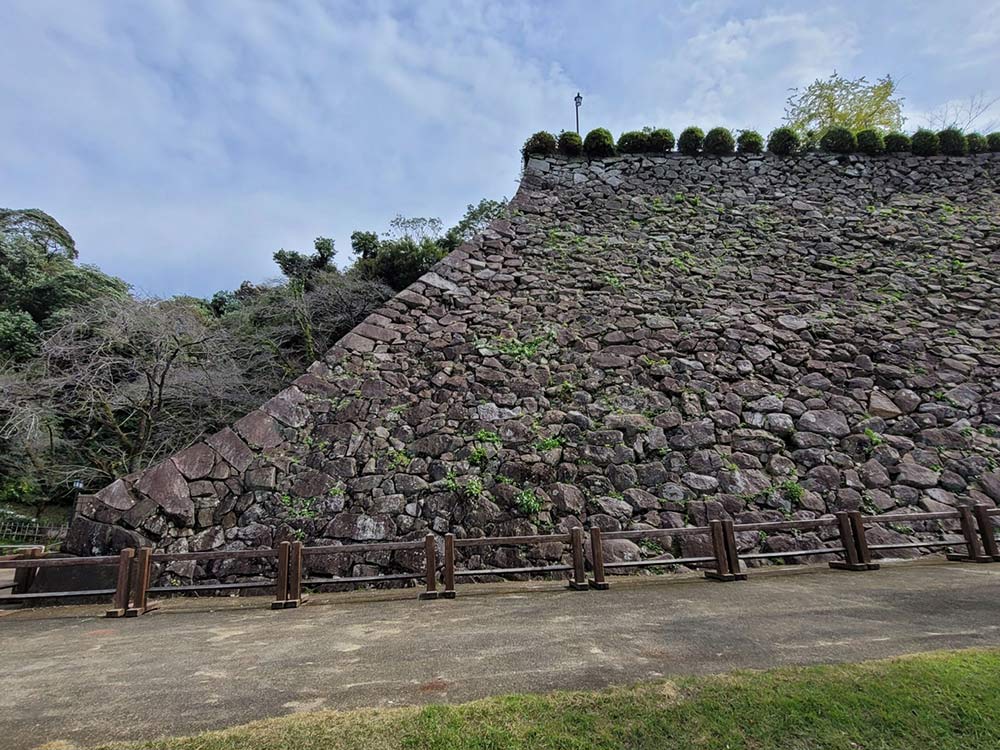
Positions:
(540, 144)
(870, 142)
(951, 141)
(975, 143)
(719, 142)
(570, 143)
(838, 141)
(783, 141)
(690, 141)
(993, 142)
(924, 142)
(661, 140)
(750, 142)
(633, 142)
(897, 143)
(599, 142)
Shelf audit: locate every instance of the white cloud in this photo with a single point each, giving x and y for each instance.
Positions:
(183, 142)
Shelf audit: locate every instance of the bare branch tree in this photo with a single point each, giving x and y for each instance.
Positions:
(965, 115)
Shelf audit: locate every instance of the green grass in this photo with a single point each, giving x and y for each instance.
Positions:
(945, 701)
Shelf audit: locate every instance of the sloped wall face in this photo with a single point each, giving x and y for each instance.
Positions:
(647, 342)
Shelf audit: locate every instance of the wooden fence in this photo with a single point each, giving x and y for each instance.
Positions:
(130, 597)
(31, 533)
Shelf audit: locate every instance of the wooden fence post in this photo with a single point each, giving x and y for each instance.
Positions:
(597, 555)
(24, 577)
(579, 582)
(294, 576)
(861, 540)
(727, 561)
(140, 582)
(857, 556)
(731, 551)
(986, 531)
(119, 604)
(973, 549)
(281, 583)
(449, 567)
(430, 568)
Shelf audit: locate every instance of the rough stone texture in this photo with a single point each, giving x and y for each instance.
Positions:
(653, 342)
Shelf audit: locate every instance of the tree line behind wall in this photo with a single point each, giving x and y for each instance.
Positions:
(96, 382)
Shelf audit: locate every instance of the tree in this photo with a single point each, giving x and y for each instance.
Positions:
(40, 281)
(304, 268)
(841, 102)
(118, 387)
(477, 217)
(289, 326)
(964, 115)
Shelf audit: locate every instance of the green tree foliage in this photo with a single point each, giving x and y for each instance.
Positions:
(661, 140)
(783, 141)
(40, 280)
(570, 143)
(539, 144)
(95, 391)
(690, 141)
(599, 143)
(838, 140)
(719, 142)
(750, 142)
(924, 143)
(476, 218)
(870, 142)
(854, 104)
(952, 142)
(896, 143)
(304, 268)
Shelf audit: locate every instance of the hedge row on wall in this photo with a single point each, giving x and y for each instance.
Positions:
(782, 141)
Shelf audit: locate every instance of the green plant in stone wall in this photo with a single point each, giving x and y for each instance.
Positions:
(993, 142)
(791, 490)
(719, 142)
(521, 350)
(299, 507)
(399, 460)
(690, 141)
(599, 142)
(614, 282)
(488, 436)
(570, 143)
(750, 142)
(528, 502)
(550, 443)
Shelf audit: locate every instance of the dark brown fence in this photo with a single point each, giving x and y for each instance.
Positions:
(130, 597)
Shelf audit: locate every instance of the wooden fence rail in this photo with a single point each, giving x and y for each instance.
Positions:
(134, 567)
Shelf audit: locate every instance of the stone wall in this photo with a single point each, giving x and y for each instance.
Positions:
(646, 342)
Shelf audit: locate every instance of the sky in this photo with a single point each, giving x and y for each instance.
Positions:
(183, 142)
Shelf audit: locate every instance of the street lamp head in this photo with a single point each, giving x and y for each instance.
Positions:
(578, 99)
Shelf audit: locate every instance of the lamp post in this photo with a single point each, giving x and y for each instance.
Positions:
(578, 100)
